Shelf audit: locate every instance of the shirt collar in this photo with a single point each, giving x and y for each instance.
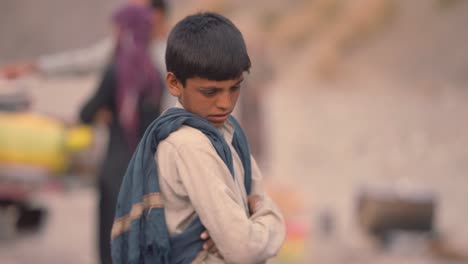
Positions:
(227, 129)
(178, 105)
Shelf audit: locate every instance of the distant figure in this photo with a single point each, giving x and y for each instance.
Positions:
(95, 57)
(128, 99)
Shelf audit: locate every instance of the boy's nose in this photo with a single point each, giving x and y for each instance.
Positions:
(224, 101)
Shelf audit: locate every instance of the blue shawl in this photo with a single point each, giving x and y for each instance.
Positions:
(139, 232)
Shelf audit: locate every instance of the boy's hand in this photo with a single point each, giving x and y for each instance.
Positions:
(103, 117)
(209, 244)
(255, 203)
(14, 71)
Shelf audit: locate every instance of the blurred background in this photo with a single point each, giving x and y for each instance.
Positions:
(354, 110)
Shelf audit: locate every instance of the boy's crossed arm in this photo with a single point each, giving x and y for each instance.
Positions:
(240, 238)
(255, 202)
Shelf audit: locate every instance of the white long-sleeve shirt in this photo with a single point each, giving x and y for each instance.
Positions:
(195, 181)
(95, 57)
(79, 61)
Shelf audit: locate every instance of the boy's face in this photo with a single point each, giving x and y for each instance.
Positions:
(212, 100)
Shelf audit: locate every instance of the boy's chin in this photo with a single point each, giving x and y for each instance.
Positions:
(217, 124)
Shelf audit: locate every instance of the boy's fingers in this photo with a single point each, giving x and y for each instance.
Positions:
(208, 244)
(255, 202)
(205, 235)
(214, 250)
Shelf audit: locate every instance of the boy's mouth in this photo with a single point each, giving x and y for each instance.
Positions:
(219, 118)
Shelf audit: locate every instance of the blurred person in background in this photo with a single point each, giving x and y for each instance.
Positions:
(95, 57)
(127, 100)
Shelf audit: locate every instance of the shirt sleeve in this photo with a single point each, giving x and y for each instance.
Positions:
(79, 61)
(268, 206)
(239, 238)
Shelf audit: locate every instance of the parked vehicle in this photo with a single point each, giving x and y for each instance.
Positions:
(35, 149)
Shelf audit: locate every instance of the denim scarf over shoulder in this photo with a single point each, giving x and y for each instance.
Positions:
(139, 232)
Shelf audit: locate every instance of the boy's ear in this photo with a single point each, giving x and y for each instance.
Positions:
(173, 84)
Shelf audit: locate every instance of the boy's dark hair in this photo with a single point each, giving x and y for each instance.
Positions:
(206, 45)
(159, 4)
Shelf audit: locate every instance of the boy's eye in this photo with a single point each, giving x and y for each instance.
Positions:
(209, 92)
(235, 88)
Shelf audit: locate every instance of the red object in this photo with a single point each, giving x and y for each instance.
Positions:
(13, 192)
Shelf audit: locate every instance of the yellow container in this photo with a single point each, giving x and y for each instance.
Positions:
(38, 140)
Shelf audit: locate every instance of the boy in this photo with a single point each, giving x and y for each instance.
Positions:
(193, 170)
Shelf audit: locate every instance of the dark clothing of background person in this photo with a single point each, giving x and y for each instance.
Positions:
(130, 91)
(118, 152)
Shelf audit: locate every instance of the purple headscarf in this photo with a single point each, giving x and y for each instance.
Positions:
(136, 73)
